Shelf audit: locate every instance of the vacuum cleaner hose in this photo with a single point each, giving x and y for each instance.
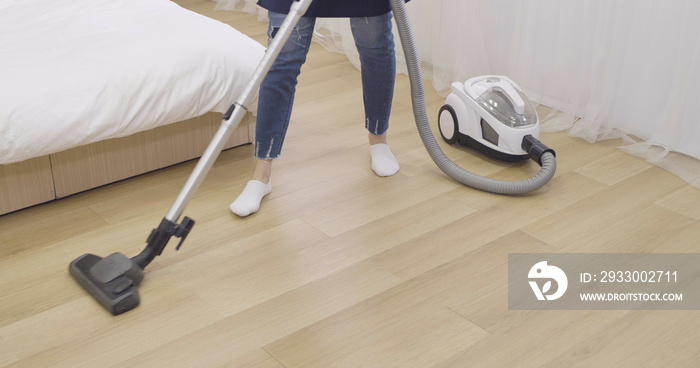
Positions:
(546, 160)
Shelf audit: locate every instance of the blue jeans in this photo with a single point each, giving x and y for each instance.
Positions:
(375, 44)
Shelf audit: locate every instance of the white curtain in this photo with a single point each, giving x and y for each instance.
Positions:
(628, 68)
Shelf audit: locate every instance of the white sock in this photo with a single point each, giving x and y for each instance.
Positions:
(383, 161)
(249, 200)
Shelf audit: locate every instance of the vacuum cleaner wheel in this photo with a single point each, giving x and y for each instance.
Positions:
(447, 122)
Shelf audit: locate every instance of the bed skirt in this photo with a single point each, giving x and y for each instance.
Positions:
(58, 175)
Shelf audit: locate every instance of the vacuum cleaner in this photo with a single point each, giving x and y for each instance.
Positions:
(113, 281)
(490, 114)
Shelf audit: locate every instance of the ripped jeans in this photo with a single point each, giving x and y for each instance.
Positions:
(375, 44)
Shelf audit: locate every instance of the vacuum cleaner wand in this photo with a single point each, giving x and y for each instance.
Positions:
(113, 280)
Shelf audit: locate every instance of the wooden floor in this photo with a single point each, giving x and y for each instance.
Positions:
(341, 268)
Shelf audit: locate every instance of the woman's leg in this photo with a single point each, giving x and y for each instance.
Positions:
(375, 44)
(275, 101)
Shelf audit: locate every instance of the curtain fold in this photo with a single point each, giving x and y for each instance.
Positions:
(628, 68)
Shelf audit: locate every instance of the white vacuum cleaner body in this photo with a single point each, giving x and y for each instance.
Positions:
(491, 114)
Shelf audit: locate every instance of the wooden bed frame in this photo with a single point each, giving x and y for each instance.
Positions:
(58, 175)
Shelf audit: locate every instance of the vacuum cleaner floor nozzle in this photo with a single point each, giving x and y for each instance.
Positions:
(112, 280)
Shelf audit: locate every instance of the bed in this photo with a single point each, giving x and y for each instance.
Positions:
(95, 91)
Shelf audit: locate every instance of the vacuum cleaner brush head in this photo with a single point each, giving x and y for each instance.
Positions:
(112, 280)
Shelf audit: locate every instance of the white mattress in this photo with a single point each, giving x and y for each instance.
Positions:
(73, 72)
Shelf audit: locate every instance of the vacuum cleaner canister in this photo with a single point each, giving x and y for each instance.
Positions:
(491, 114)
